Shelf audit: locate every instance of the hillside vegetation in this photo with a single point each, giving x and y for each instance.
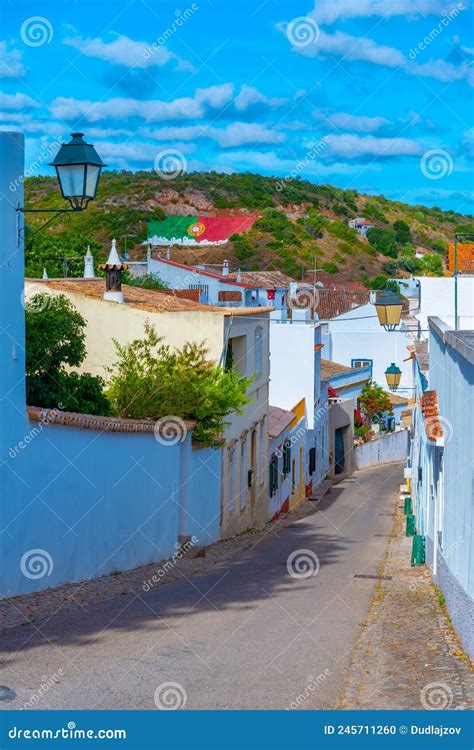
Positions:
(300, 226)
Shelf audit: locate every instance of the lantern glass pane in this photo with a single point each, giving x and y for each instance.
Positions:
(381, 314)
(393, 314)
(92, 179)
(71, 178)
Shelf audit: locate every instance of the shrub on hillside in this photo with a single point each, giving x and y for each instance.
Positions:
(383, 239)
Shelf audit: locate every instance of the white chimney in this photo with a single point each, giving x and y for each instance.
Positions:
(239, 275)
(225, 268)
(88, 264)
(45, 274)
(167, 253)
(373, 297)
(113, 276)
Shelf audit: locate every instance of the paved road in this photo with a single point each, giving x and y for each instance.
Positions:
(245, 635)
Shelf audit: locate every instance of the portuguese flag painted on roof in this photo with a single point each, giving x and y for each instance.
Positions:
(195, 230)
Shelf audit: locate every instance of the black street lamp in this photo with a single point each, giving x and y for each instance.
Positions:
(78, 167)
(389, 310)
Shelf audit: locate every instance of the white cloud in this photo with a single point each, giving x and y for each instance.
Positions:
(443, 71)
(353, 146)
(357, 123)
(125, 51)
(242, 133)
(353, 48)
(467, 143)
(328, 11)
(249, 95)
(215, 96)
(235, 134)
(303, 164)
(11, 65)
(185, 108)
(17, 101)
(362, 49)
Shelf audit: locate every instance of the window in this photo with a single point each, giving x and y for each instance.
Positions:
(204, 288)
(358, 363)
(286, 457)
(312, 461)
(258, 351)
(231, 478)
(243, 475)
(273, 475)
(238, 353)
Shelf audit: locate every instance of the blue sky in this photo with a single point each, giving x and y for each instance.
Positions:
(374, 95)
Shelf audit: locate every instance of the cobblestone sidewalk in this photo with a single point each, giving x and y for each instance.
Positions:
(408, 655)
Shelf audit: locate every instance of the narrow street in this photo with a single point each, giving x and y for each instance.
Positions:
(246, 635)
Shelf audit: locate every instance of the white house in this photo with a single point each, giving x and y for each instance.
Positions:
(243, 332)
(357, 339)
(441, 468)
(295, 386)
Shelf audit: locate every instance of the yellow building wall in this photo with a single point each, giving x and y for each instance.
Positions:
(109, 320)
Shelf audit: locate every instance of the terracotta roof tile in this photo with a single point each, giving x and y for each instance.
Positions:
(91, 422)
(154, 300)
(264, 279)
(430, 410)
(278, 420)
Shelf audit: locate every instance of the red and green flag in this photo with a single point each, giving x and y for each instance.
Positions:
(192, 230)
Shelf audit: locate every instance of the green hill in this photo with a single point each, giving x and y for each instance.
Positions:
(300, 226)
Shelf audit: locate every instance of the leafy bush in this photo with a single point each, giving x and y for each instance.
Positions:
(372, 210)
(150, 381)
(241, 247)
(330, 267)
(383, 239)
(55, 334)
(341, 231)
(402, 232)
(148, 281)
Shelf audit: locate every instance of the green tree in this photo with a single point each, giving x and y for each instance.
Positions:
(148, 281)
(374, 402)
(383, 239)
(402, 232)
(432, 265)
(150, 382)
(55, 341)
